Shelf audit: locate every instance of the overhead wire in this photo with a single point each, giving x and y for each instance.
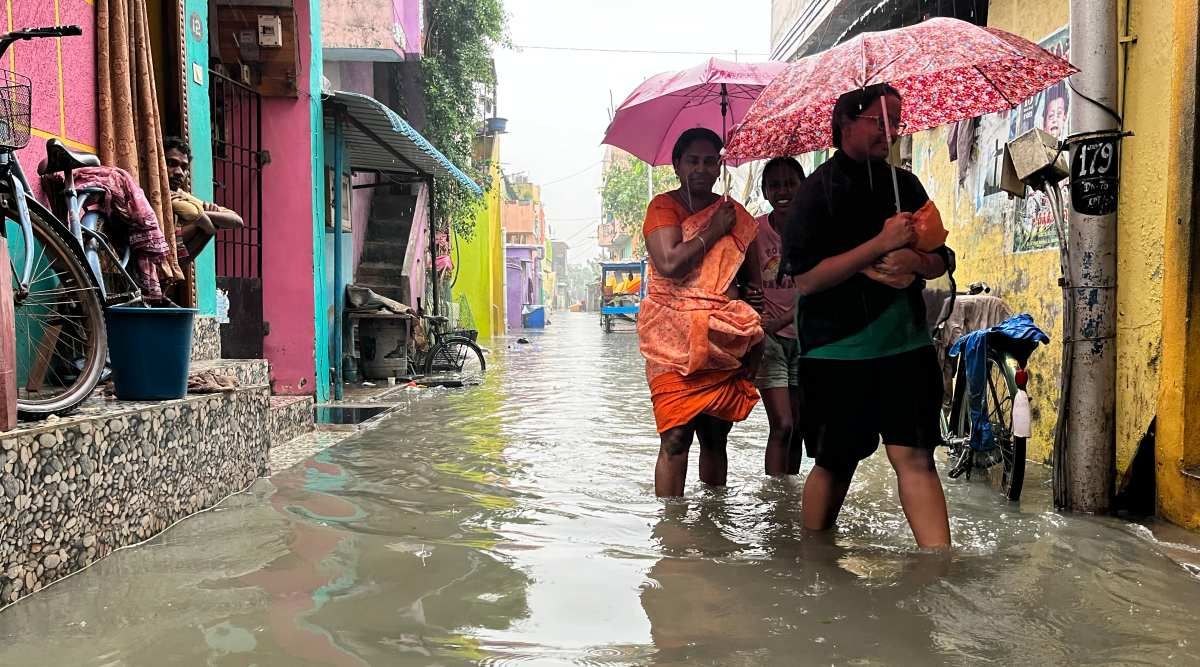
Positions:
(578, 173)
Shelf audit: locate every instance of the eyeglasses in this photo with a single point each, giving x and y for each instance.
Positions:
(897, 128)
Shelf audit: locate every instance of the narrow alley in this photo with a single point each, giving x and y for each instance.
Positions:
(515, 523)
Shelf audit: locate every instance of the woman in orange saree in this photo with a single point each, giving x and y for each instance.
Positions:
(698, 339)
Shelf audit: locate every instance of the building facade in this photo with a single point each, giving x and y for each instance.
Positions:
(1010, 244)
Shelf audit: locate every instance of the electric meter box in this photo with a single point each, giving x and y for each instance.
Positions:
(270, 31)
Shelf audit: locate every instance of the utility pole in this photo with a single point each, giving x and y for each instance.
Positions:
(1084, 476)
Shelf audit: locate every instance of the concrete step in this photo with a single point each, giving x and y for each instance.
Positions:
(381, 266)
(291, 417)
(391, 252)
(379, 275)
(388, 229)
(394, 291)
(249, 372)
(298, 449)
(393, 205)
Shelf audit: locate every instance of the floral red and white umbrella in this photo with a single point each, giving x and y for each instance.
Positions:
(946, 70)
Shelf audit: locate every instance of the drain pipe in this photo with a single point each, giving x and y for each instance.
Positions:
(1086, 440)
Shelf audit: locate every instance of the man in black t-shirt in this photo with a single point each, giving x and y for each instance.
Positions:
(869, 369)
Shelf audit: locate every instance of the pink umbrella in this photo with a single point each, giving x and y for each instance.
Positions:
(714, 94)
(947, 70)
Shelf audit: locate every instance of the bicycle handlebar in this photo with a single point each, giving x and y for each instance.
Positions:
(53, 31)
(8, 39)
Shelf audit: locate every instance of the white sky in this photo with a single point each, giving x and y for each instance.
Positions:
(557, 102)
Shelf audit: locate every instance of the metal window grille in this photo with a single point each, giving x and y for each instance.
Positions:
(237, 174)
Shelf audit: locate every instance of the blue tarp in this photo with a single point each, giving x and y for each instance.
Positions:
(974, 349)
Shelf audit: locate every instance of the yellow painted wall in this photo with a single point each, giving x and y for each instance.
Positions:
(480, 270)
(983, 237)
(1177, 440)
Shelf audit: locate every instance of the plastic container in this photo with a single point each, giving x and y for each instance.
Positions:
(534, 317)
(150, 351)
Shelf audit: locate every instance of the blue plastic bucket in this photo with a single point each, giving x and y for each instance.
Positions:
(150, 351)
(534, 317)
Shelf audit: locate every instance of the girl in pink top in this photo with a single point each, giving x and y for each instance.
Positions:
(778, 376)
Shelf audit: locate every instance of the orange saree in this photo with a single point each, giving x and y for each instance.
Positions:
(693, 336)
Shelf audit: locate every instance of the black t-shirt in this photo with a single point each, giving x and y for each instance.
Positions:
(842, 205)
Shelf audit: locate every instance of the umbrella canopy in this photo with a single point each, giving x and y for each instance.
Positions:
(947, 70)
(658, 111)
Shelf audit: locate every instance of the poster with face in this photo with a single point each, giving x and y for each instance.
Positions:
(989, 141)
(1034, 226)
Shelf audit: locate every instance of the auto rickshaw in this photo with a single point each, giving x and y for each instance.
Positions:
(622, 287)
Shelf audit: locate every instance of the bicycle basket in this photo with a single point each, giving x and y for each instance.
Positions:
(470, 334)
(15, 114)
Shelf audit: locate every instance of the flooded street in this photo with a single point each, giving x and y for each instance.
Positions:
(515, 523)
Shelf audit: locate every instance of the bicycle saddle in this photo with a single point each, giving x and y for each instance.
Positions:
(437, 319)
(59, 158)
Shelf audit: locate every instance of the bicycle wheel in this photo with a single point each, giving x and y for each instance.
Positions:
(1006, 463)
(456, 356)
(60, 336)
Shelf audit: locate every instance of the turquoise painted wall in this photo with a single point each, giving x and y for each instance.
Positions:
(200, 137)
(321, 304)
(331, 289)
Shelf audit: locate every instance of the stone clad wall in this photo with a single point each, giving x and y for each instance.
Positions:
(75, 490)
(206, 339)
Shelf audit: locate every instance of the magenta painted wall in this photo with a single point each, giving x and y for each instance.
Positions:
(64, 90)
(288, 260)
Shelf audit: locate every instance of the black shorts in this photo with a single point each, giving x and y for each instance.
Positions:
(850, 405)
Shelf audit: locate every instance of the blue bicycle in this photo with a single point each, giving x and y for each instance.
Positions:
(65, 272)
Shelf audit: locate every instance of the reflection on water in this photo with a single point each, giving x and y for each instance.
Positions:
(516, 523)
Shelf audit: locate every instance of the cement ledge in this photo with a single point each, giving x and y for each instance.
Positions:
(74, 490)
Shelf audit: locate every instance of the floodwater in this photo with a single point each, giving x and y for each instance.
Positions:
(515, 523)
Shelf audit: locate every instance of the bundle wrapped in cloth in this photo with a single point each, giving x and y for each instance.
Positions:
(931, 233)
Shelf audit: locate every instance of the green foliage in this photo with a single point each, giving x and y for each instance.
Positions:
(624, 196)
(456, 69)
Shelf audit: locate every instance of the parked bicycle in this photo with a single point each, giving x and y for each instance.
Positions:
(453, 352)
(65, 272)
(1007, 378)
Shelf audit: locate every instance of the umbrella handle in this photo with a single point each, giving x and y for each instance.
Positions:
(887, 127)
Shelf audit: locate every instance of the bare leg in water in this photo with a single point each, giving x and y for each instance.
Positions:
(921, 495)
(714, 436)
(824, 492)
(782, 406)
(670, 472)
(796, 449)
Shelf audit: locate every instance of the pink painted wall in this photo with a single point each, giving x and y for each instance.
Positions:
(64, 95)
(360, 214)
(288, 261)
(356, 78)
(411, 17)
(418, 248)
(372, 24)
